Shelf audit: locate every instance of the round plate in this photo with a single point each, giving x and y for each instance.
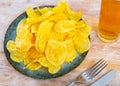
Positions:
(42, 73)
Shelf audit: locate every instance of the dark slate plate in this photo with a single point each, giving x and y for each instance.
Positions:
(42, 73)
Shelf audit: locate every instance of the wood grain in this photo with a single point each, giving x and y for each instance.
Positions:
(10, 9)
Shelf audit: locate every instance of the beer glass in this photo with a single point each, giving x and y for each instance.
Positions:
(109, 22)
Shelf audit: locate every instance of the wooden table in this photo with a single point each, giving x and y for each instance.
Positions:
(10, 9)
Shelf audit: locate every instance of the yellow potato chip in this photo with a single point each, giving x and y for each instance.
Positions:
(56, 36)
(22, 25)
(81, 42)
(60, 7)
(86, 30)
(69, 35)
(71, 52)
(15, 54)
(23, 36)
(55, 52)
(33, 54)
(54, 69)
(27, 61)
(39, 19)
(51, 68)
(60, 16)
(23, 40)
(73, 15)
(31, 13)
(57, 17)
(44, 62)
(35, 65)
(64, 26)
(43, 35)
(80, 24)
(44, 10)
(34, 28)
(11, 46)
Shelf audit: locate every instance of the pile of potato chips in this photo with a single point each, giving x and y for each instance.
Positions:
(48, 37)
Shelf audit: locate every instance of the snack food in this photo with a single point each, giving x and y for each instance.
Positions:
(48, 37)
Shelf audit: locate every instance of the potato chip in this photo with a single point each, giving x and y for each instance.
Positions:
(11, 46)
(54, 69)
(44, 62)
(23, 40)
(27, 61)
(15, 54)
(81, 42)
(51, 68)
(32, 55)
(73, 15)
(55, 52)
(34, 65)
(57, 36)
(57, 17)
(23, 36)
(86, 30)
(43, 35)
(34, 28)
(44, 10)
(80, 24)
(69, 35)
(71, 52)
(64, 26)
(60, 16)
(22, 25)
(31, 13)
(39, 19)
(60, 8)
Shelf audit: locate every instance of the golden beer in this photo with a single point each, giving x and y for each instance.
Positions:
(109, 23)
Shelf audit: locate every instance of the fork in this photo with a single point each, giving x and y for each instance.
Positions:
(86, 76)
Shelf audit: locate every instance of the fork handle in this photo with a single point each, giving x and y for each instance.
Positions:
(74, 82)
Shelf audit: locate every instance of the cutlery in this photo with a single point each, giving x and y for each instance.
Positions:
(86, 76)
(104, 80)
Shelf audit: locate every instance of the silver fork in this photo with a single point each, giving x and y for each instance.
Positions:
(86, 76)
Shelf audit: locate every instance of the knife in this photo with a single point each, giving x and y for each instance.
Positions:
(104, 80)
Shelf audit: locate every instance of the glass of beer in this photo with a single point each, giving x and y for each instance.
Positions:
(109, 22)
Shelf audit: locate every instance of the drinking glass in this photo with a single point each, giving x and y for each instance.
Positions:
(109, 22)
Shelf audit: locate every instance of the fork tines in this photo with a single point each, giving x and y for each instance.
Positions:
(95, 69)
